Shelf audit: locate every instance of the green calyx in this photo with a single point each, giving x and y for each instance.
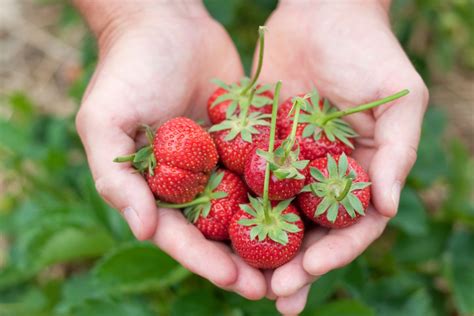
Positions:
(144, 159)
(201, 206)
(240, 94)
(242, 125)
(269, 223)
(328, 118)
(336, 189)
(284, 163)
(234, 93)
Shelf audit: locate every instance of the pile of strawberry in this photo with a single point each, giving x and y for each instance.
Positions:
(253, 174)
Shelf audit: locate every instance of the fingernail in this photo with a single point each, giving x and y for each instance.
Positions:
(396, 188)
(133, 220)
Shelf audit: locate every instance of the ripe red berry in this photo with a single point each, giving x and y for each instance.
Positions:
(315, 144)
(337, 193)
(219, 202)
(287, 177)
(219, 110)
(178, 161)
(266, 246)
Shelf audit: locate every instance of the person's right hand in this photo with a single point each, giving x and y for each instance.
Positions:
(155, 63)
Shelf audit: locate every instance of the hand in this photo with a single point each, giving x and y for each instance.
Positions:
(155, 63)
(347, 51)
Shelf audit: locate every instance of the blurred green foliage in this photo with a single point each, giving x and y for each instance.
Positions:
(71, 254)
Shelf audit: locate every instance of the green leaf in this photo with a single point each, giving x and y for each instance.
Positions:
(317, 174)
(247, 209)
(215, 180)
(356, 204)
(124, 307)
(332, 212)
(220, 83)
(222, 98)
(411, 216)
(345, 308)
(332, 167)
(300, 164)
(291, 217)
(323, 206)
(282, 206)
(118, 270)
(342, 164)
(231, 109)
(247, 221)
(254, 231)
(459, 270)
(200, 302)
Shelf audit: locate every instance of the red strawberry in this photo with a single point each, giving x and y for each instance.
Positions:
(213, 209)
(284, 185)
(310, 147)
(337, 193)
(321, 130)
(217, 110)
(184, 144)
(267, 235)
(266, 246)
(176, 185)
(287, 167)
(235, 151)
(229, 100)
(178, 161)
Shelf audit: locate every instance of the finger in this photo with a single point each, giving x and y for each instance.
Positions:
(250, 282)
(397, 133)
(294, 304)
(291, 277)
(193, 251)
(341, 246)
(268, 279)
(123, 188)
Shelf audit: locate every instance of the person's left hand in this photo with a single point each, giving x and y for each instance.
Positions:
(349, 53)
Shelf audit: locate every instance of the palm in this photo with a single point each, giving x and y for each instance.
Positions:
(351, 59)
(159, 69)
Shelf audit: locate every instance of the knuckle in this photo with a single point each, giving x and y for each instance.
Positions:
(104, 188)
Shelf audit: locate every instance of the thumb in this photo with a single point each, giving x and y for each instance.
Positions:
(397, 133)
(104, 135)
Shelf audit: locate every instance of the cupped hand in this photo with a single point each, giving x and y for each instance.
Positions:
(156, 64)
(346, 50)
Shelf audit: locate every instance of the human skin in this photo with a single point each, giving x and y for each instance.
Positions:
(156, 59)
(346, 50)
(155, 62)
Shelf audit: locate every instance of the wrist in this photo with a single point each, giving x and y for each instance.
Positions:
(106, 17)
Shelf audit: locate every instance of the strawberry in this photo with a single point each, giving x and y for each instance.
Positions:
(232, 95)
(287, 167)
(229, 99)
(234, 149)
(178, 161)
(337, 193)
(266, 246)
(321, 130)
(213, 209)
(267, 235)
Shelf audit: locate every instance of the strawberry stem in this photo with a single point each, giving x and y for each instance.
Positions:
(245, 109)
(294, 127)
(271, 144)
(261, 39)
(346, 190)
(201, 200)
(126, 158)
(364, 107)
